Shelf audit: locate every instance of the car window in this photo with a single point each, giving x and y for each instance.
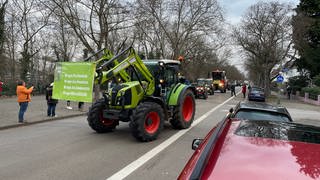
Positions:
(278, 130)
(265, 115)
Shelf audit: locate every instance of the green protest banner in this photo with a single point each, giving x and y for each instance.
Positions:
(74, 81)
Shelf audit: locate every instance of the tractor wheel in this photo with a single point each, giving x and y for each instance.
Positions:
(147, 121)
(183, 114)
(96, 120)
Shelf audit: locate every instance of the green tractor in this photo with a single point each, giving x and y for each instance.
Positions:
(148, 95)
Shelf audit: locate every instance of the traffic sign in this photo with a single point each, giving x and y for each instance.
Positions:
(285, 69)
(280, 79)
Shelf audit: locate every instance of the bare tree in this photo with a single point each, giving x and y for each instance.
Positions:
(172, 26)
(93, 22)
(31, 19)
(265, 36)
(2, 37)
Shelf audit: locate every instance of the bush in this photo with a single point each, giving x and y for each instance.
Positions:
(316, 80)
(298, 82)
(9, 89)
(311, 90)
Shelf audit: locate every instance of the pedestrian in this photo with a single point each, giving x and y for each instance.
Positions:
(24, 97)
(68, 105)
(289, 90)
(80, 106)
(1, 84)
(51, 102)
(233, 90)
(244, 90)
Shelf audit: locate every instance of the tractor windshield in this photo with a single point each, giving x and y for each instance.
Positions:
(201, 82)
(217, 75)
(152, 67)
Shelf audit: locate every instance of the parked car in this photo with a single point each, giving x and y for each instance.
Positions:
(259, 110)
(256, 149)
(256, 94)
(201, 90)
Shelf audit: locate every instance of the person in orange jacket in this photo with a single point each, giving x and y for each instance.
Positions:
(24, 97)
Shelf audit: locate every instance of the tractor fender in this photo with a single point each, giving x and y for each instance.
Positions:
(160, 102)
(177, 92)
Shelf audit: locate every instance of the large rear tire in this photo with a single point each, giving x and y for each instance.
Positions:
(183, 114)
(147, 121)
(96, 120)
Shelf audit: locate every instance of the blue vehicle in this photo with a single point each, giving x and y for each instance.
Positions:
(256, 94)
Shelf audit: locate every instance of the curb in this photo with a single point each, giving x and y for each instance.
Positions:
(41, 121)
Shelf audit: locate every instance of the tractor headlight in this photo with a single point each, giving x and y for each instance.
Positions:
(221, 84)
(118, 101)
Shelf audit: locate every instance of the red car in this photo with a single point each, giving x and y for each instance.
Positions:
(251, 150)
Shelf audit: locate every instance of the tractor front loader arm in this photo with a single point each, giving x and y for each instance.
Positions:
(118, 67)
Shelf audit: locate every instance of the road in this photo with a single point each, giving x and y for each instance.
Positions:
(70, 149)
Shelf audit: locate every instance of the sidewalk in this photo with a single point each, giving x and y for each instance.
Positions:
(36, 112)
(300, 111)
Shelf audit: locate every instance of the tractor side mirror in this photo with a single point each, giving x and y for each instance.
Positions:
(161, 64)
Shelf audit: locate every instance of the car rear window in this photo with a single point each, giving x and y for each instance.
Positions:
(279, 130)
(258, 115)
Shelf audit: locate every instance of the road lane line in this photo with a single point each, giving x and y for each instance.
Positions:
(126, 171)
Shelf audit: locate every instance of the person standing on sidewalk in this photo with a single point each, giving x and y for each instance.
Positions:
(51, 112)
(244, 90)
(233, 89)
(68, 105)
(80, 106)
(289, 89)
(1, 84)
(24, 97)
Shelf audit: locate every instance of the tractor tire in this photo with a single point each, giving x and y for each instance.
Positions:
(96, 120)
(147, 121)
(183, 114)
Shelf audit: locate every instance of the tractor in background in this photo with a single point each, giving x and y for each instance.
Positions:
(144, 93)
(220, 81)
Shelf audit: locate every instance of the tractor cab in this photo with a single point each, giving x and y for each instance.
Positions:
(166, 74)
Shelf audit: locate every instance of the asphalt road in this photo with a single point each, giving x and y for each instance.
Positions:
(70, 149)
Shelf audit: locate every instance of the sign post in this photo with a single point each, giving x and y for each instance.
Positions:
(279, 82)
(74, 81)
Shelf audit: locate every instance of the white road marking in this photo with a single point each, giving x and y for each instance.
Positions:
(231, 105)
(126, 171)
(224, 110)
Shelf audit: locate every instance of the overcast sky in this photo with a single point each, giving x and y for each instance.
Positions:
(233, 10)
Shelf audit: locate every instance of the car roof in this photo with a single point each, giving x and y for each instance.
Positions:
(257, 88)
(262, 106)
(260, 150)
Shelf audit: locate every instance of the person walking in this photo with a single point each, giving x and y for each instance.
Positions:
(233, 89)
(1, 84)
(24, 97)
(289, 90)
(52, 103)
(244, 90)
